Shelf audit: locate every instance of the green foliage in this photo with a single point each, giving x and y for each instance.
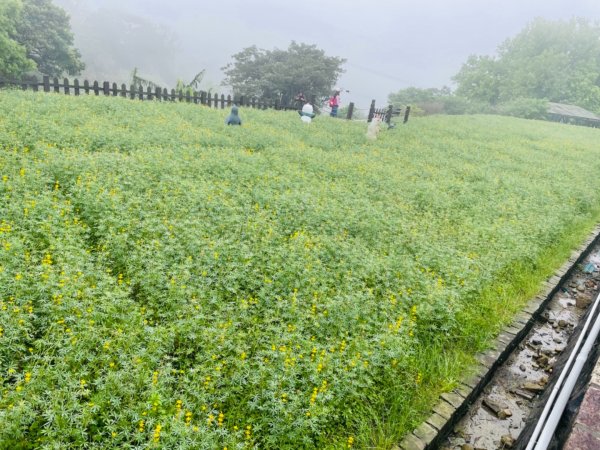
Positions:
(413, 95)
(44, 30)
(281, 74)
(457, 105)
(170, 282)
(193, 85)
(479, 79)
(553, 60)
(436, 101)
(35, 34)
(526, 108)
(13, 56)
(138, 81)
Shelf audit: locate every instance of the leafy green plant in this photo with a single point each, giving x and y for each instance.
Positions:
(169, 282)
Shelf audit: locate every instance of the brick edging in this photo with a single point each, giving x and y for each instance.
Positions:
(452, 405)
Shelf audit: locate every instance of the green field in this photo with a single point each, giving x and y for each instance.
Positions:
(169, 282)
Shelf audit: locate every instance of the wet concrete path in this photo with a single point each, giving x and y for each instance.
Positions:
(498, 415)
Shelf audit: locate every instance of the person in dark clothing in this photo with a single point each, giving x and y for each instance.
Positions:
(299, 101)
(233, 118)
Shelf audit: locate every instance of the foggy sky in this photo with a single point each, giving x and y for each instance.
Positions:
(389, 45)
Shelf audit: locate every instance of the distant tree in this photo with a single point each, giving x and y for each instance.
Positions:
(44, 30)
(526, 108)
(552, 60)
(479, 80)
(13, 56)
(276, 74)
(425, 101)
(414, 95)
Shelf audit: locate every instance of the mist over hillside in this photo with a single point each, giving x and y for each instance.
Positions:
(388, 46)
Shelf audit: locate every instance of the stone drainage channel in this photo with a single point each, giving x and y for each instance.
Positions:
(492, 408)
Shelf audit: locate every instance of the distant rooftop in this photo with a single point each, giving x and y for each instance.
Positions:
(571, 111)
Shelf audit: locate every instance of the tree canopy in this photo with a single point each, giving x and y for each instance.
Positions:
(36, 34)
(276, 74)
(13, 56)
(413, 95)
(557, 61)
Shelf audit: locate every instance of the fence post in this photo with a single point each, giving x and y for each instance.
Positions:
(371, 111)
(350, 111)
(157, 93)
(165, 94)
(149, 95)
(228, 101)
(66, 86)
(140, 92)
(115, 90)
(123, 90)
(106, 88)
(46, 83)
(96, 88)
(131, 91)
(180, 96)
(188, 97)
(388, 114)
(86, 86)
(76, 86)
(172, 95)
(34, 84)
(222, 101)
(406, 114)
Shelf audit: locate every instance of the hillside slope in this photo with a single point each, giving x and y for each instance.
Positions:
(169, 281)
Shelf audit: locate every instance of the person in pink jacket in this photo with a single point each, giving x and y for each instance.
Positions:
(334, 103)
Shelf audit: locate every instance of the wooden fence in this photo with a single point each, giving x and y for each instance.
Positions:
(160, 94)
(387, 113)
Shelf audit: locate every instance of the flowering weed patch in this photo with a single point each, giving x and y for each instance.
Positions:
(169, 282)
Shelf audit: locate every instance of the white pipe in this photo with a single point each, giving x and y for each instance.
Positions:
(557, 387)
(565, 393)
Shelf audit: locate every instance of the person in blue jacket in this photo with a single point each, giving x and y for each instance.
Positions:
(233, 118)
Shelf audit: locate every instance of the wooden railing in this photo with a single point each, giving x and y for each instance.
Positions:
(209, 99)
